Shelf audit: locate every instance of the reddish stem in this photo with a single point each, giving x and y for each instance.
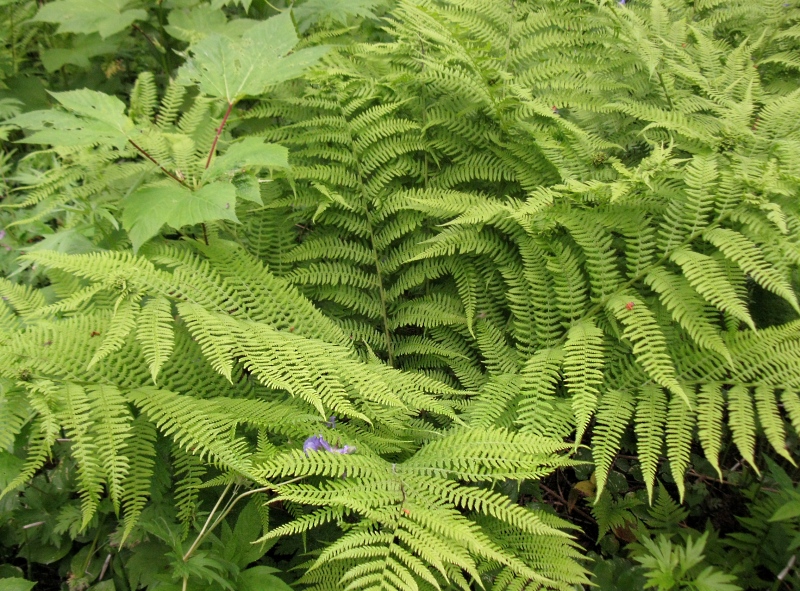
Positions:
(219, 133)
(144, 153)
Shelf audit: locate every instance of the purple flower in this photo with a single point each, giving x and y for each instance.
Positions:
(318, 443)
(2, 234)
(332, 422)
(622, 2)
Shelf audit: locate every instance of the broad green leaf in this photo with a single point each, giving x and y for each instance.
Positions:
(203, 20)
(229, 69)
(96, 105)
(83, 48)
(10, 467)
(16, 584)
(249, 154)
(260, 578)
(148, 210)
(95, 117)
(105, 17)
(247, 188)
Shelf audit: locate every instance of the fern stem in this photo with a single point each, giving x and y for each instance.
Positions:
(378, 271)
(664, 88)
(382, 293)
(144, 153)
(203, 530)
(219, 133)
(207, 529)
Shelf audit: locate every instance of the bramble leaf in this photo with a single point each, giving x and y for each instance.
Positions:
(148, 210)
(251, 153)
(94, 117)
(229, 69)
(90, 16)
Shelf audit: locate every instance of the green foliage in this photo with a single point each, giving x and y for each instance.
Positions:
(668, 567)
(340, 295)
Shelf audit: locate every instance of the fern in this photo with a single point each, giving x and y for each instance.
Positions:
(485, 233)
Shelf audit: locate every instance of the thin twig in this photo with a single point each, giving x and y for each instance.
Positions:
(146, 36)
(144, 153)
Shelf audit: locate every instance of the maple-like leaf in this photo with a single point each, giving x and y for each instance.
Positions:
(232, 69)
(81, 50)
(203, 20)
(249, 154)
(149, 209)
(105, 17)
(92, 117)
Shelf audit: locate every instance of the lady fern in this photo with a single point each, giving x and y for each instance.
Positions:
(506, 230)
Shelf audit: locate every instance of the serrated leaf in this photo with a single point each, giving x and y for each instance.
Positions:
(148, 210)
(105, 17)
(709, 422)
(201, 21)
(648, 340)
(83, 48)
(95, 117)
(232, 69)
(250, 154)
(247, 188)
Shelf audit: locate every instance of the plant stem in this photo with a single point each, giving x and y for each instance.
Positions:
(219, 133)
(205, 233)
(201, 535)
(144, 153)
(207, 529)
(159, 51)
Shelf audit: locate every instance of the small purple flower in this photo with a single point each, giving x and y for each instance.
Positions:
(332, 422)
(2, 234)
(318, 443)
(622, 2)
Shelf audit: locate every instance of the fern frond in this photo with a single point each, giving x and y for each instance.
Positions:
(614, 412)
(708, 277)
(770, 419)
(680, 429)
(136, 487)
(154, 333)
(742, 422)
(651, 414)
(122, 323)
(583, 362)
